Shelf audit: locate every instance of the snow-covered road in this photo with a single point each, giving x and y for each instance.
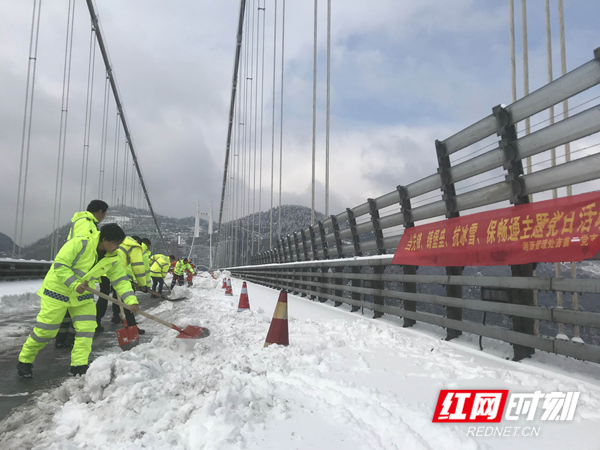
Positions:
(346, 381)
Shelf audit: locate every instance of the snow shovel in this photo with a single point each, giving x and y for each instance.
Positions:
(167, 298)
(128, 337)
(189, 332)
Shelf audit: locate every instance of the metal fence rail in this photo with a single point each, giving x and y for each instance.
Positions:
(335, 280)
(367, 229)
(376, 226)
(11, 270)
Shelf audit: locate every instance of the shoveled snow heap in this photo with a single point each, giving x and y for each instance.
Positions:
(344, 382)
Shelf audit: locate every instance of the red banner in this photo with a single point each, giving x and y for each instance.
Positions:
(561, 230)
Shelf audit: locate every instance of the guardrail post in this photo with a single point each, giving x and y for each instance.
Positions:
(514, 169)
(297, 259)
(305, 251)
(356, 283)
(377, 232)
(377, 270)
(355, 235)
(315, 257)
(338, 281)
(325, 256)
(304, 245)
(336, 232)
(323, 235)
(410, 287)
(313, 243)
(288, 239)
(357, 252)
(338, 246)
(448, 195)
(296, 247)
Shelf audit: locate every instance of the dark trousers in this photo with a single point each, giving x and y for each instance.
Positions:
(129, 317)
(158, 281)
(176, 277)
(66, 333)
(101, 304)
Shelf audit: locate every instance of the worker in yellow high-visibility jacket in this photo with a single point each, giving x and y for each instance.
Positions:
(80, 261)
(146, 245)
(84, 223)
(132, 259)
(159, 267)
(179, 272)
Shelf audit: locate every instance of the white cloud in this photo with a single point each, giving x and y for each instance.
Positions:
(403, 74)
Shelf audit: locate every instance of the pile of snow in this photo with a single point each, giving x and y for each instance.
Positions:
(344, 382)
(16, 297)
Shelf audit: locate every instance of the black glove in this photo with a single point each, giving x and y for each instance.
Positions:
(143, 289)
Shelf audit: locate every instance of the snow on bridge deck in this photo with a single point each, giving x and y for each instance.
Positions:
(345, 381)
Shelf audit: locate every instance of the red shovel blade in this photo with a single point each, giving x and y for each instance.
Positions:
(128, 337)
(193, 332)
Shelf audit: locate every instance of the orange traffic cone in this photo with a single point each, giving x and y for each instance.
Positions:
(224, 283)
(228, 290)
(278, 331)
(244, 303)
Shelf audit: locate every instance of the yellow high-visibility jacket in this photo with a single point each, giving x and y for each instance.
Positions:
(159, 265)
(146, 256)
(181, 267)
(76, 262)
(132, 259)
(83, 223)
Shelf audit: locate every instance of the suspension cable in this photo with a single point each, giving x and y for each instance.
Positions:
(255, 126)
(328, 108)
(231, 109)
(113, 196)
(314, 117)
(27, 118)
(246, 124)
(113, 83)
(273, 123)
(125, 173)
(563, 65)
(60, 164)
(526, 75)
(88, 118)
(262, 104)
(281, 113)
(103, 139)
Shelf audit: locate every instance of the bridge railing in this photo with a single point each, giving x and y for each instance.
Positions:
(375, 226)
(14, 269)
(470, 163)
(373, 283)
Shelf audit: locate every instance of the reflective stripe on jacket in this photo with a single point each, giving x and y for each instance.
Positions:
(83, 223)
(132, 259)
(76, 262)
(146, 256)
(159, 265)
(181, 267)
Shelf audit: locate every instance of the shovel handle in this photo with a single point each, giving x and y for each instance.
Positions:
(155, 293)
(126, 306)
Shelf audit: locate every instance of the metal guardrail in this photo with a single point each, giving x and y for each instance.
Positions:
(301, 263)
(373, 227)
(341, 282)
(11, 269)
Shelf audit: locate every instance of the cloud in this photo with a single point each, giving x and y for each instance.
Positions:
(403, 74)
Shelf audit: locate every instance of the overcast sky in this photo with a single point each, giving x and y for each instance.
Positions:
(404, 73)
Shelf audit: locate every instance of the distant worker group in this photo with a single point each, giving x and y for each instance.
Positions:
(107, 256)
